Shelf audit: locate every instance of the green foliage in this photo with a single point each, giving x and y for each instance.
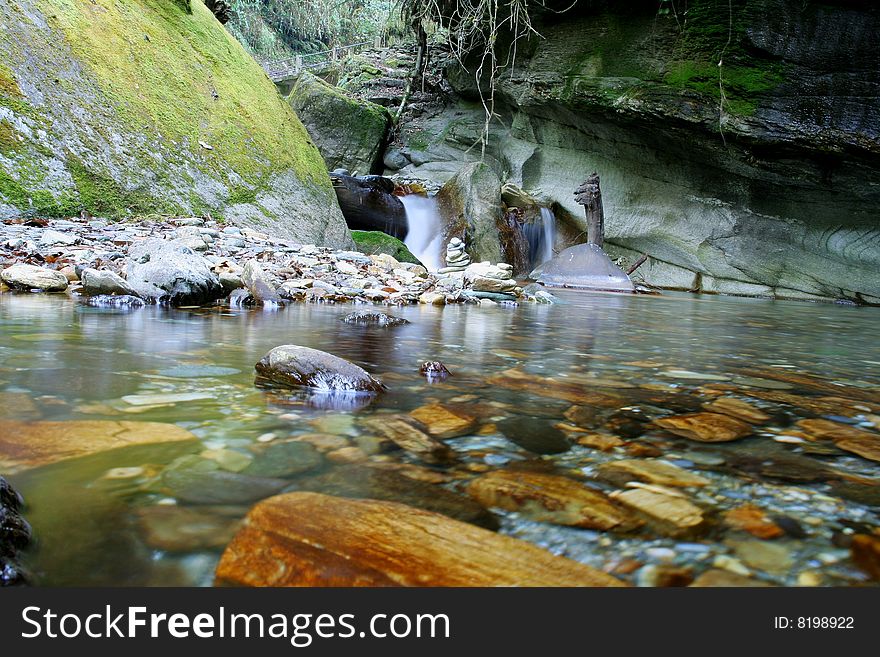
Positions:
(280, 28)
(9, 139)
(241, 194)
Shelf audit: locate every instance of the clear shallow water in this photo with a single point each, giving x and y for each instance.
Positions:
(81, 363)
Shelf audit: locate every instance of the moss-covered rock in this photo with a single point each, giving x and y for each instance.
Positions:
(374, 242)
(349, 133)
(131, 107)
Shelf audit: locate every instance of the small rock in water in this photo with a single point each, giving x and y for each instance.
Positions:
(29, 277)
(182, 529)
(294, 366)
(284, 460)
(374, 319)
(198, 486)
(443, 422)
(115, 301)
(96, 282)
(434, 370)
(752, 519)
(705, 427)
(535, 435)
(865, 551)
(652, 471)
(668, 514)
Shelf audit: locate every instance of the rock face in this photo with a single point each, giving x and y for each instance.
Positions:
(307, 539)
(294, 366)
(31, 444)
(349, 133)
(169, 270)
(784, 203)
(99, 118)
(29, 277)
(583, 266)
(470, 208)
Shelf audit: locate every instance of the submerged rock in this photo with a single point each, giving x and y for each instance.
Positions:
(443, 422)
(293, 366)
(434, 370)
(167, 270)
(550, 498)
(669, 514)
(284, 460)
(534, 434)
(215, 486)
(705, 427)
(302, 539)
(583, 266)
(374, 319)
(114, 301)
(29, 277)
(410, 438)
(184, 529)
(15, 534)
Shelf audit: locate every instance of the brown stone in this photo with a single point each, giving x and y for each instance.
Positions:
(668, 514)
(576, 393)
(752, 519)
(738, 409)
(308, 539)
(717, 577)
(865, 550)
(600, 441)
(846, 437)
(442, 422)
(652, 471)
(705, 427)
(18, 406)
(550, 498)
(411, 439)
(31, 444)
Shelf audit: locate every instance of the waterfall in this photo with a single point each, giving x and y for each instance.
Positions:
(541, 237)
(424, 237)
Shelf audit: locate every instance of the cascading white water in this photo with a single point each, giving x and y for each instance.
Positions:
(541, 237)
(548, 219)
(424, 238)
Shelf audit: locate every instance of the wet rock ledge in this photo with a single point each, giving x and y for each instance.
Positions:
(15, 534)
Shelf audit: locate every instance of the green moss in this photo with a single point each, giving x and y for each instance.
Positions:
(184, 77)
(374, 242)
(9, 139)
(103, 196)
(10, 93)
(241, 194)
(34, 201)
(741, 84)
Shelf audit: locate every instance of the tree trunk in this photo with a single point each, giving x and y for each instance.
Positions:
(590, 196)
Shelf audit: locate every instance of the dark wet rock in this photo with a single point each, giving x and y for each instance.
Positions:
(368, 318)
(114, 301)
(535, 435)
(583, 266)
(790, 526)
(284, 460)
(198, 486)
(434, 370)
(15, 534)
(769, 459)
(240, 297)
(369, 204)
(294, 366)
(401, 431)
(860, 493)
(380, 484)
(96, 282)
(168, 270)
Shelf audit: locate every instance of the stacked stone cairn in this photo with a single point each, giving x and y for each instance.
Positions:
(492, 281)
(456, 257)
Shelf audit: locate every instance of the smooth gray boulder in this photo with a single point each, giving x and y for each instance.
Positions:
(293, 366)
(30, 277)
(96, 281)
(258, 282)
(583, 266)
(167, 270)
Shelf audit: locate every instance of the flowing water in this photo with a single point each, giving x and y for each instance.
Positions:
(425, 237)
(541, 237)
(112, 518)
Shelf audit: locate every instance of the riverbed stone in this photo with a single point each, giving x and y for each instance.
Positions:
(302, 539)
(103, 281)
(367, 318)
(738, 409)
(175, 528)
(705, 427)
(443, 422)
(551, 498)
(169, 270)
(534, 434)
(670, 515)
(410, 438)
(30, 277)
(284, 459)
(295, 366)
(210, 486)
(258, 283)
(652, 471)
(30, 444)
(754, 520)
(865, 552)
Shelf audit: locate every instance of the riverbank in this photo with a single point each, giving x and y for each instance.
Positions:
(251, 267)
